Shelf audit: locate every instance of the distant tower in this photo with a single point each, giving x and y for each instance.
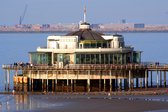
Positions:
(84, 14)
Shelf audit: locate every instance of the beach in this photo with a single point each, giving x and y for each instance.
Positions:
(83, 102)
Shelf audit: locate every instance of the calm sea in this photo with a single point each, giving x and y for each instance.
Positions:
(14, 47)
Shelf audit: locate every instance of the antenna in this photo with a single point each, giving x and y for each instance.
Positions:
(84, 14)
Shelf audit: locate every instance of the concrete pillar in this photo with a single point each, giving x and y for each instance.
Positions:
(129, 80)
(53, 84)
(32, 88)
(157, 79)
(100, 73)
(67, 81)
(47, 82)
(30, 74)
(71, 85)
(110, 81)
(5, 79)
(8, 79)
(164, 78)
(104, 82)
(74, 85)
(140, 82)
(42, 85)
(160, 78)
(146, 78)
(119, 84)
(56, 73)
(151, 79)
(88, 81)
(137, 82)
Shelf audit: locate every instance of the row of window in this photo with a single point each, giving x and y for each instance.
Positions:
(103, 58)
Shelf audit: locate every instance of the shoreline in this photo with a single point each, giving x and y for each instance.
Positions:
(149, 91)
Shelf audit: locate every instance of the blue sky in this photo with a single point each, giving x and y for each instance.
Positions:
(71, 11)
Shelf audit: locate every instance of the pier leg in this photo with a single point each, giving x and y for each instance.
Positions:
(74, 85)
(104, 82)
(88, 82)
(160, 78)
(137, 82)
(32, 85)
(5, 79)
(53, 84)
(71, 85)
(56, 73)
(119, 84)
(157, 79)
(146, 79)
(67, 82)
(47, 83)
(164, 78)
(100, 81)
(8, 79)
(110, 82)
(151, 79)
(141, 83)
(42, 85)
(129, 80)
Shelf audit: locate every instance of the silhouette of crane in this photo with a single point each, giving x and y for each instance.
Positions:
(22, 16)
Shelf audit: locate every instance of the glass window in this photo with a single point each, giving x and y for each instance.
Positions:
(102, 58)
(87, 58)
(93, 59)
(82, 58)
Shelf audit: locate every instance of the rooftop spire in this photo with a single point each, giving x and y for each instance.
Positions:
(85, 14)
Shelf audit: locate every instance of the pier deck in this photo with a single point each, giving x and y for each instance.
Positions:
(103, 77)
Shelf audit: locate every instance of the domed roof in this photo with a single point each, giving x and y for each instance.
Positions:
(85, 33)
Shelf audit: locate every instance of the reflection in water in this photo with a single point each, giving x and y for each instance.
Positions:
(24, 103)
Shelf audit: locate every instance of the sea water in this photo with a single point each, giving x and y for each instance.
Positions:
(14, 47)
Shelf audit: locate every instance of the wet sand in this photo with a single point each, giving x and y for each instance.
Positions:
(100, 103)
(83, 102)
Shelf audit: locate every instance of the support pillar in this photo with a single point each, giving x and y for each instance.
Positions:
(100, 73)
(67, 82)
(160, 78)
(5, 79)
(30, 82)
(157, 79)
(71, 85)
(110, 82)
(146, 79)
(137, 82)
(104, 82)
(88, 81)
(47, 82)
(56, 73)
(8, 79)
(42, 85)
(119, 84)
(151, 79)
(129, 80)
(141, 83)
(165, 79)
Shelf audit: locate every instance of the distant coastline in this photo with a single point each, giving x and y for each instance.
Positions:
(64, 28)
(164, 31)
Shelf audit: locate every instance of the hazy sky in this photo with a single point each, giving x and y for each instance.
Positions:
(71, 11)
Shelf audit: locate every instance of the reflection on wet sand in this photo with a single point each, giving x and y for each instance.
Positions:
(75, 102)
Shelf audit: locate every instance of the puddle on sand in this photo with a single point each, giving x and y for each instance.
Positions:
(24, 103)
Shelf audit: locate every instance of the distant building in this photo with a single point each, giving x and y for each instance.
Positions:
(139, 25)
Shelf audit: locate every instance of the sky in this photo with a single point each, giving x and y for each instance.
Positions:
(71, 11)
